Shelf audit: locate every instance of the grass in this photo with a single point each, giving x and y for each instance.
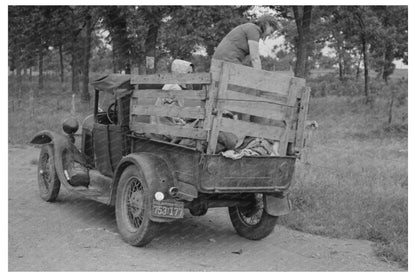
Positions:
(351, 182)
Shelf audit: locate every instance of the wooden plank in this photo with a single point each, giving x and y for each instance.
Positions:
(215, 71)
(242, 129)
(266, 110)
(209, 106)
(168, 110)
(300, 127)
(183, 94)
(216, 121)
(295, 86)
(259, 79)
(175, 131)
(258, 94)
(193, 103)
(170, 78)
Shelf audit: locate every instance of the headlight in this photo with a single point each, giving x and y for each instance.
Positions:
(159, 196)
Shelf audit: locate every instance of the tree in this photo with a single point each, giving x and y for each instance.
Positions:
(198, 26)
(303, 35)
(303, 15)
(391, 40)
(115, 19)
(86, 55)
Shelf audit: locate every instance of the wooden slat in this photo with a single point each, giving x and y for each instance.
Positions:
(249, 93)
(300, 128)
(193, 103)
(216, 120)
(182, 94)
(242, 129)
(175, 131)
(169, 78)
(267, 110)
(259, 79)
(169, 110)
(296, 85)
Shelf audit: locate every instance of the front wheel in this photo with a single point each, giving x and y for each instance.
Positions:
(48, 180)
(133, 207)
(252, 221)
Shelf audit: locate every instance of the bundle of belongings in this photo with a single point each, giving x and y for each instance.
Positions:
(227, 142)
(253, 147)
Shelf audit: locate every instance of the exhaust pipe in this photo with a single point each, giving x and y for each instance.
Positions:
(176, 193)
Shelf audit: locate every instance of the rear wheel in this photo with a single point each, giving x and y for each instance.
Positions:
(48, 180)
(252, 221)
(133, 207)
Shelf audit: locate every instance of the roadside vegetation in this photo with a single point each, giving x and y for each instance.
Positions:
(352, 180)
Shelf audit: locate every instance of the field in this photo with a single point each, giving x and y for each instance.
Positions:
(350, 183)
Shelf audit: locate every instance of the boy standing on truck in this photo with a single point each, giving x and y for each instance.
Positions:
(243, 41)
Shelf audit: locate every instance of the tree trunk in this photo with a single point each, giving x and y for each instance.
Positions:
(114, 59)
(366, 76)
(85, 96)
(117, 23)
(150, 46)
(303, 15)
(61, 63)
(357, 75)
(18, 81)
(40, 77)
(383, 67)
(75, 72)
(390, 120)
(340, 65)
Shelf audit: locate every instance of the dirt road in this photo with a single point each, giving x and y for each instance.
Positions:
(75, 234)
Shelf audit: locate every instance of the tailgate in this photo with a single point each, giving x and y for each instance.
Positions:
(248, 174)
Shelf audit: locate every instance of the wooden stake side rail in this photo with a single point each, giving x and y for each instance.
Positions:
(280, 99)
(258, 93)
(143, 104)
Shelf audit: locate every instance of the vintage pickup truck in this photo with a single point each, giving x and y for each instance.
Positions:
(123, 161)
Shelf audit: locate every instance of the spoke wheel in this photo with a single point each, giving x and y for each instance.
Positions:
(48, 180)
(252, 222)
(133, 204)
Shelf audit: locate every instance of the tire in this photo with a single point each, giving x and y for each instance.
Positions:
(252, 222)
(48, 180)
(134, 224)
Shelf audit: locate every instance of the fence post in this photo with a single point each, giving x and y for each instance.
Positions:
(73, 111)
(31, 102)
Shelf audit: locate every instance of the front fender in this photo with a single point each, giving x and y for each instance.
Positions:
(64, 151)
(157, 173)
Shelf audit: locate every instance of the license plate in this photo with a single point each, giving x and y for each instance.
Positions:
(169, 209)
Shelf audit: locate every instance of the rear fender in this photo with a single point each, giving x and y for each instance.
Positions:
(64, 152)
(277, 205)
(156, 171)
